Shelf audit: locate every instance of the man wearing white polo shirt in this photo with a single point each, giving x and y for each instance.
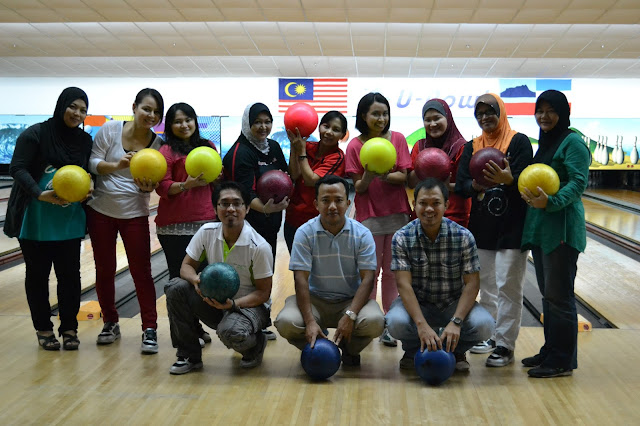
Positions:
(333, 260)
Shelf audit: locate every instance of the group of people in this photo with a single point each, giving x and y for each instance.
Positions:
(466, 239)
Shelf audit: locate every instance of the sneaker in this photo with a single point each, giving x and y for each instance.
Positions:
(406, 362)
(269, 335)
(256, 360)
(109, 334)
(483, 347)
(546, 372)
(387, 340)
(184, 365)
(201, 341)
(349, 360)
(149, 342)
(500, 357)
(533, 361)
(205, 337)
(461, 362)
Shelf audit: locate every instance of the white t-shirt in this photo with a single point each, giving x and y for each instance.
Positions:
(250, 256)
(116, 194)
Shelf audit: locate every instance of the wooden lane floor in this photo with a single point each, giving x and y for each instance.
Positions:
(615, 220)
(116, 384)
(617, 195)
(14, 300)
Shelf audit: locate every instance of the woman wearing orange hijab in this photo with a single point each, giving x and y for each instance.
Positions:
(496, 221)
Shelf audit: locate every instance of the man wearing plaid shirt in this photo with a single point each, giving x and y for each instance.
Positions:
(437, 271)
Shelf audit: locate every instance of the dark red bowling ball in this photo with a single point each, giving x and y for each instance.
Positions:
(479, 161)
(432, 162)
(301, 116)
(274, 184)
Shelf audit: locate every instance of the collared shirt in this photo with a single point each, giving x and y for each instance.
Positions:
(437, 267)
(333, 261)
(250, 255)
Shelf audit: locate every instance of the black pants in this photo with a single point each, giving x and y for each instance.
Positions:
(175, 249)
(556, 274)
(38, 258)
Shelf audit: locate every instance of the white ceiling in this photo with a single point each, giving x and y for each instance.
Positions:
(366, 38)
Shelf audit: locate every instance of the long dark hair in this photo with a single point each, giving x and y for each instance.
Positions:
(363, 108)
(177, 144)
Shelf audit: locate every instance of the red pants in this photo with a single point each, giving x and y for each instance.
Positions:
(135, 236)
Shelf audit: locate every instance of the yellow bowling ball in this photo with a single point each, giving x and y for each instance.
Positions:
(203, 159)
(379, 155)
(148, 164)
(539, 175)
(71, 183)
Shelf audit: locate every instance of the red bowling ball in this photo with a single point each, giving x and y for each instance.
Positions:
(479, 161)
(432, 162)
(301, 116)
(274, 184)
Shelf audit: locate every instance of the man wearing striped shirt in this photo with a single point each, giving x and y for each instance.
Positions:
(333, 260)
(437, 270)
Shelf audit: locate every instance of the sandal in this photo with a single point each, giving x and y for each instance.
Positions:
(70, 342)
(48, 343)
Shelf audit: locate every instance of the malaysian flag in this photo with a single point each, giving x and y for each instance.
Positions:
(323, 94)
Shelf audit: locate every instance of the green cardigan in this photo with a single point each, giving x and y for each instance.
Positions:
(562, 221)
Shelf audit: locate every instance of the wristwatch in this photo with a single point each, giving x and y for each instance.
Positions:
(351, 314)
(457, 321)
(182, 187)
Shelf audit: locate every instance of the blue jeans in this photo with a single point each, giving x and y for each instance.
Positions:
(556, 273)
(476, 327)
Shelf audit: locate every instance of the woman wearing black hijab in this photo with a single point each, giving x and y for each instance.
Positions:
(49, 228)
(555, 232)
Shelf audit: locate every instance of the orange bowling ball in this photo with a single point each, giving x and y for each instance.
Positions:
(206, 160)
(379, 155)
(539, 175)
(71, 183)
(148, 164)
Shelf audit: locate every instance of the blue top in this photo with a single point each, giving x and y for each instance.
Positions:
(437, 267)
(50, 222)
(334, 261)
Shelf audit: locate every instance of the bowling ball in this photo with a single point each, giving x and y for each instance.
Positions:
(148, 164)
(434, 367)
(379, 155)
(322, 361)
(478, 163)
(432, 162)
(203, 159)
(219, 281)
(274, 184)
(301, 116)
(539, 175)
(71, 183)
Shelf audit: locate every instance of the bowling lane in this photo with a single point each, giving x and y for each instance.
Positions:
(14, 301)
(620, 222)
(625, 195)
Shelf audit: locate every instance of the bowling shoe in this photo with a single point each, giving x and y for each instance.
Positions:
(149, 342)
(500, 357)
(547, 372)
(109, 334)
(483, 347)
(255, 360)
(407, 362)
(461, 362)
(184, 365)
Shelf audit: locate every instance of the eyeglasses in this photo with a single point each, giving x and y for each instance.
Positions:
(226, 205)
(487, 113)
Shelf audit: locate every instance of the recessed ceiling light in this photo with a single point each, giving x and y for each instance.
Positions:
(602, 46)
(174, 45)
(468, 46)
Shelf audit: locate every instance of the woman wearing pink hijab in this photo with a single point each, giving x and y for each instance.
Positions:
(443, 133)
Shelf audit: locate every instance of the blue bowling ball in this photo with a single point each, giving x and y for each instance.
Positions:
(322, 361)
(434, 367)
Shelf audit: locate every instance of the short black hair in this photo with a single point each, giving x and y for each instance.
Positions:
(331, 180)
(229, 184)
(363, 107)
(155, 95)
(430, 183)
(335, 114)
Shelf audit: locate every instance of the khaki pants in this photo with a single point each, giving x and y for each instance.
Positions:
(368, 325)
